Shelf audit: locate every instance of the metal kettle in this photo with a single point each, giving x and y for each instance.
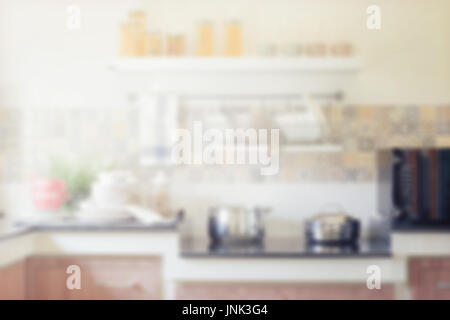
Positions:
(333, 227)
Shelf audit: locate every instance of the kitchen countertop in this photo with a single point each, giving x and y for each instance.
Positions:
(11, 230)
(126, 226)
(8, 231)
(201, 248)
(283, 248)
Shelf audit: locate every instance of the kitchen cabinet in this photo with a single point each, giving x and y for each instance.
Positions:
(12, 282)
(300, 291)
(430, 278)
(101, 278)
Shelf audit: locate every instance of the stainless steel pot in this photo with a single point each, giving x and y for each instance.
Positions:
(236, 225)
(332, 228)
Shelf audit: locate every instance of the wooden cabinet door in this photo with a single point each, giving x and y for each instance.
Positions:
(46, 278)
(101, 278)
(300, 291)
(430, 278)
(12, 282)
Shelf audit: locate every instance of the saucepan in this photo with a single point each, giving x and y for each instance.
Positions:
(236, 224)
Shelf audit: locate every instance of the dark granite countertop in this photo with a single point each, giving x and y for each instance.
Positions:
(283, 248)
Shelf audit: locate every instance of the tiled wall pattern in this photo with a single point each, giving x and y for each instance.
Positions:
(111, 136)
(30, 137)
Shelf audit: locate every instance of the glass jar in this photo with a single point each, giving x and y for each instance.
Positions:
(233, 38)
(138, 25)
(205, 41)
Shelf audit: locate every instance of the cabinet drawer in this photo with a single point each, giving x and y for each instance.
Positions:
(430, 278)
(101, 278)
(247, 291)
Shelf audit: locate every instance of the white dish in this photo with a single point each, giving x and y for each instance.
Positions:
(90, 211)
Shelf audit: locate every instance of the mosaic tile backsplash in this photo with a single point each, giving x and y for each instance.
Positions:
(111, 136)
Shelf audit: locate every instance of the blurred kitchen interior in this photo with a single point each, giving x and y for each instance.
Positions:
(88, 114)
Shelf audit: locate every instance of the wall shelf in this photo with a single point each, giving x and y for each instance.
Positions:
(312, 148)
(244, 64)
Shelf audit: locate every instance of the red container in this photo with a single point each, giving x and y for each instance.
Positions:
(48, 194)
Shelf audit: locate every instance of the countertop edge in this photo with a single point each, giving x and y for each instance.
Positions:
(286, 256)
(20, 231)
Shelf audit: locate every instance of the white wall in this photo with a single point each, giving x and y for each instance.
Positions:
(290, 203)
(42, 62)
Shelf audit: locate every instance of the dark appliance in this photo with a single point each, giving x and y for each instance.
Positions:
(414, 186)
